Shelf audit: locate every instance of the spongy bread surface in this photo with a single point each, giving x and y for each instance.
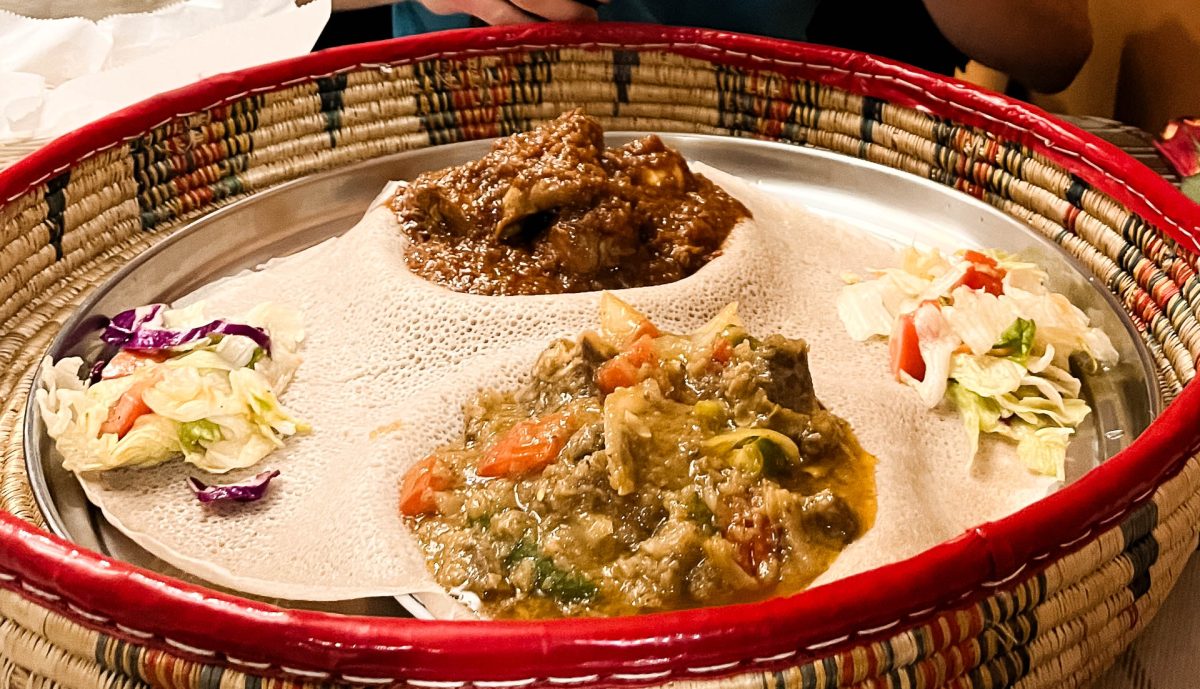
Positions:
(389, 360)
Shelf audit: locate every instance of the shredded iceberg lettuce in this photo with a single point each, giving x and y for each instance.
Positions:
(1041, 449)
(212, 401)
(978, 318)
(937, 343)
(994, 341)
(988, 376)
(862, 310)
(1016, 342)
(979, 414)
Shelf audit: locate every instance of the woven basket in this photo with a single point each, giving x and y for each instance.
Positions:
(1045, 598)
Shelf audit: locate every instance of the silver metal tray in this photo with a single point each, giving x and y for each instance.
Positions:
(893, 205)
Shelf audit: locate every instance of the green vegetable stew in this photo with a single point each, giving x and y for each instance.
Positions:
(640, 471)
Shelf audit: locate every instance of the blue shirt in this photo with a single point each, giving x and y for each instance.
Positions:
(777, 18)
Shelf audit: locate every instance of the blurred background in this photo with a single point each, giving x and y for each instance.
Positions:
(1145, 64)
(1144, 67)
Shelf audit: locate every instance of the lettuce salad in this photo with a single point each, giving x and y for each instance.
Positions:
(179, 384)
(982, 330)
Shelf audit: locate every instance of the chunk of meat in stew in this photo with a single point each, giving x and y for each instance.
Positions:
(552, 210)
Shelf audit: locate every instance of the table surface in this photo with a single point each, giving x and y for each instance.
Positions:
(1132, 140)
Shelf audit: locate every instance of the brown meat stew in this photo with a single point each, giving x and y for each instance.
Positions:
(552, 210)
(640, 471)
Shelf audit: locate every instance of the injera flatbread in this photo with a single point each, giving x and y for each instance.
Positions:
(389, 360)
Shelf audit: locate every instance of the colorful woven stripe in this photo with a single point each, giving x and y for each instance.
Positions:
(1059, 626)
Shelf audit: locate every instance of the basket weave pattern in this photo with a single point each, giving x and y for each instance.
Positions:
(1057, 622)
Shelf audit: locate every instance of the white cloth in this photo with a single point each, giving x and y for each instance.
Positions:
(58, 74)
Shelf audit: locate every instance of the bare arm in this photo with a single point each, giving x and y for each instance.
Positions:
(493, 11)
(1040, 43)
(342, 5)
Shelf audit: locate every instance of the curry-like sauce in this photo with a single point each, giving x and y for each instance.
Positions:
(552, 210)
(640, 471)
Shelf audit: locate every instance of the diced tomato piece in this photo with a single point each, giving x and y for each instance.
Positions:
(641, 351)
(127, 361)
(986, 278)
(983, 273)
(904, 349)
(616, 373)
(624, 369)
(643, 329)
(127, 409)
(722, 351)
(528, 446)
(417, 488)
(979, 258)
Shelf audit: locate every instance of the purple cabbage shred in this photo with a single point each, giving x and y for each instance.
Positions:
(243, 491)
(122, 326)
(134, 329)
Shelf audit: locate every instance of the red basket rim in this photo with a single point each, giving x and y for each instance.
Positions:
(205, 626)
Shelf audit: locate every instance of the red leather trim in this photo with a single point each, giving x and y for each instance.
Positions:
(683, 644)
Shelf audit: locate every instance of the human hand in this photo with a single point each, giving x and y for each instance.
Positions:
(516, 11)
